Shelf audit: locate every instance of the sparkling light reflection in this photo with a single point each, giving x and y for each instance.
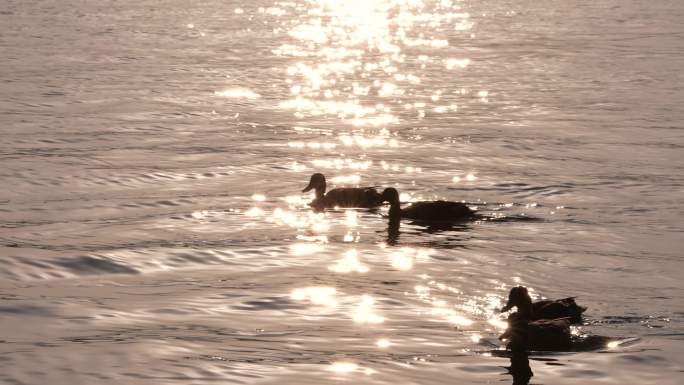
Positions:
(238, 93)
(359, 63)
(359, 49)
(199, 214)
(499, 323)
(258, 197)
(317, 295)
(346, 179)
(364, 312)
(454, 63)
(294, 219)
(401, 261)
(255, 212)
(344, 367)
(349, 263)
(300, 249)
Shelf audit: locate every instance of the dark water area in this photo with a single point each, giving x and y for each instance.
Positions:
(153, 229)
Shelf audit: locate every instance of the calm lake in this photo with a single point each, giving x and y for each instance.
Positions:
(153, 228)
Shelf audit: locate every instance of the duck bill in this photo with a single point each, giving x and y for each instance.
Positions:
(308, 188)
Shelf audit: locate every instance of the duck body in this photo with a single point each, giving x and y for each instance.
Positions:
(364, 197)
(545, 309)
(429, 211)
(437, 211)
(559, 308)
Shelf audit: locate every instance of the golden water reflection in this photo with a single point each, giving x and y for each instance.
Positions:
(498, 323)
(363, 63)
(238, 93)
(316, 295)
(406, 257)
(401, 261)
(301, 249)
(258, 197)
(342, 163)
(349, 263)
(383, 343)
(317, 222)
(255, 212)
(363, 140)
(347, 179)
(466, 311)
(349, 53)
(344, 367)
(365, 313)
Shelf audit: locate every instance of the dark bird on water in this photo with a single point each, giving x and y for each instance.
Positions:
(363, 197)
(545, 325)
(428, 211)
(545, 309)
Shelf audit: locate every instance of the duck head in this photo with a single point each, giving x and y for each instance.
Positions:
(518, 296)
(391, 195)
(317, 183)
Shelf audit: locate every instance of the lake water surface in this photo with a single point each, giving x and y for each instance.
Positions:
(152, 228)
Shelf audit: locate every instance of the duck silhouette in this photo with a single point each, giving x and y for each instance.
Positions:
(525, 332)
(363, 197)
(427, 211)
(545, 309)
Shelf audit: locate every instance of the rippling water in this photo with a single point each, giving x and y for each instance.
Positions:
(152, 229)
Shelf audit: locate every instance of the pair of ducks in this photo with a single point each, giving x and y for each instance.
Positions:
(545, 325)
(368, 197)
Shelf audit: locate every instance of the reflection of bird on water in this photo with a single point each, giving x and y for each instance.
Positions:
(520, 368)
(393, 231)
(366, 197)
(545, 309)
(431, 211)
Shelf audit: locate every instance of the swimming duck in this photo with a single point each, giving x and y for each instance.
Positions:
(429, 211)
(365, 197)
(545, 309)
(533, 326)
